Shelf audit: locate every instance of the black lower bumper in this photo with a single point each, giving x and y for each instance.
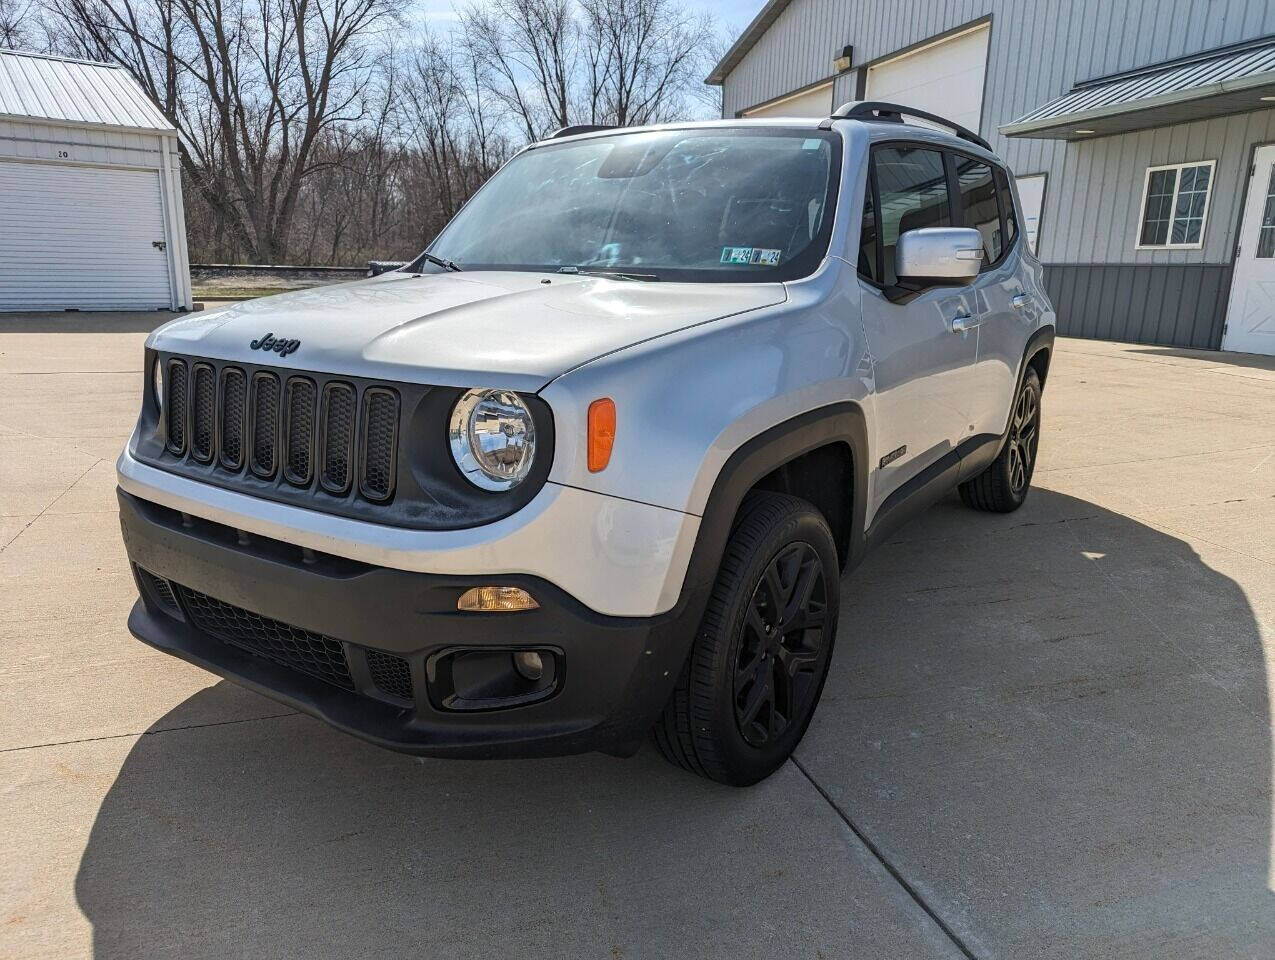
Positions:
(610, 675)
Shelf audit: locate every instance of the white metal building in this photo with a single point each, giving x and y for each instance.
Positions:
(1141, 134)
(91, 211)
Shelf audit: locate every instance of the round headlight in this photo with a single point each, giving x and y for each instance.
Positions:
(493, 438)
(159, 383)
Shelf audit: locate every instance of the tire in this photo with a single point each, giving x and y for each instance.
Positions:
(1003, 486)
(755, 671)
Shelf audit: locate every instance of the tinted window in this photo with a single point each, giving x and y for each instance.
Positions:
(1007, 205)
(868, 238)
(700, 205)
(913, 190)
(978, 204)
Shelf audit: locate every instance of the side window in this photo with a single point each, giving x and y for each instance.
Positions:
(868, 263)
(978, 204)
(912, 186)
(1007, 207)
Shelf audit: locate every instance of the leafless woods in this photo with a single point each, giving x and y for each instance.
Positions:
(334, 131)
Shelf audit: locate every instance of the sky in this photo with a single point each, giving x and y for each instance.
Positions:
(734, 16)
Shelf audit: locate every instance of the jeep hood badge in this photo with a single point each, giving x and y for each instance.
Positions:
(280, 345)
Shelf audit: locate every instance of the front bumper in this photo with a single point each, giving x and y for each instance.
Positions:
(612, 675)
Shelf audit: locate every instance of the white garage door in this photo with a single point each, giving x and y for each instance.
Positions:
(944, 78)
(812, 103)
(81, 237)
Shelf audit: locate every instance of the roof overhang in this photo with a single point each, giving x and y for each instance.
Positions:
(752, 33)
(1233, 79)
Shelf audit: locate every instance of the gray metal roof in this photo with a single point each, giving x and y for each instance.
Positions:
(74, 92)
(1231, 79)
(752, 33)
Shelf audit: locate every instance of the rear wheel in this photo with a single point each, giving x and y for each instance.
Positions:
(760, 658)
(1003, 486)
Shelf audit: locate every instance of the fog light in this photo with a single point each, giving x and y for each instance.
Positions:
(528, 664)
(496, 599)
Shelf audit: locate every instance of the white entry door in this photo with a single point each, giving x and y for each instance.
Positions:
(1250, 317)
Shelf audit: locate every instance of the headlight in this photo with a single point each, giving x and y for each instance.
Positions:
(158, 374)
(493, 438)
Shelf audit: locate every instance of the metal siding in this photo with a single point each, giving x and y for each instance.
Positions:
(1037, 52)
(1171, 305)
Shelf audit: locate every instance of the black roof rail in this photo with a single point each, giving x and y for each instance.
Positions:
(575, 128)
(880, 112)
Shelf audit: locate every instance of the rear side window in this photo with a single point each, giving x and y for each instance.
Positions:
(912, 188)
(1007, 205)
(978, 204)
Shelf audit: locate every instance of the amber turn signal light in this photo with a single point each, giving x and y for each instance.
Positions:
(601, 433)
(496, 600)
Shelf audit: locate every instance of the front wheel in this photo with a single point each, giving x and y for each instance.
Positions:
(1003, 486)
(760, 658)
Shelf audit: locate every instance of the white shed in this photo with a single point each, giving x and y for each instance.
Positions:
(91, 211)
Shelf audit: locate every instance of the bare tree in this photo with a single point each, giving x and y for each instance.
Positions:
(18, 24)
(252, 85)
(647, 53)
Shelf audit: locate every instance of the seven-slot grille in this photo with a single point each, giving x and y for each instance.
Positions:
(274, 425)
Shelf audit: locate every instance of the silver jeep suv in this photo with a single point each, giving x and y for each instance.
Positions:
(593, 466)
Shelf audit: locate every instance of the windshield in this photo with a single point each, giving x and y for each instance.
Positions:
(699, 205)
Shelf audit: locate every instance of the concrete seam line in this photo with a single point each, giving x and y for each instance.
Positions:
(889, 867)
(149, 733)
(50, 504)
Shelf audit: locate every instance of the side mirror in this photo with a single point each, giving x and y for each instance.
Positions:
(938, 256)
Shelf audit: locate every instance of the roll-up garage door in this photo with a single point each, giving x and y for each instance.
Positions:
(811, 103)
(945, 77)
(81, 237)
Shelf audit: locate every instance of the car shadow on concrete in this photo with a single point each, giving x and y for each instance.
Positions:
(1054, 725)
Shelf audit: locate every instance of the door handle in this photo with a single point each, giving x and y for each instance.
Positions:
(962, 322)
(1019, 300)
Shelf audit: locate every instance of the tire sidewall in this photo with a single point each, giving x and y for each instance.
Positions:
(749, 763)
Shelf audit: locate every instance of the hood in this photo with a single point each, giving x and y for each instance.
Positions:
(506, 329)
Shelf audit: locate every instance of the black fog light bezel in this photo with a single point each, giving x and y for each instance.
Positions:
(441, 678)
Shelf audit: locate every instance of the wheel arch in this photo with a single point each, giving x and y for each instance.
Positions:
(786, 458)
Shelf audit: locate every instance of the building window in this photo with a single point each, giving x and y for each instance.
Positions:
(1175, 205)
(1266, 234)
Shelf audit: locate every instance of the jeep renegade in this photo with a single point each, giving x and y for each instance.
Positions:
(593, 466)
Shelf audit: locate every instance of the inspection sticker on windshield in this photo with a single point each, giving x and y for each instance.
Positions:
(751, 255)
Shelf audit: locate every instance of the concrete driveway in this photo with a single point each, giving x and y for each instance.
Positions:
(1045, 734)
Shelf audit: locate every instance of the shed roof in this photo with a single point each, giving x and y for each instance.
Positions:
(1233, 79)
(74, 92)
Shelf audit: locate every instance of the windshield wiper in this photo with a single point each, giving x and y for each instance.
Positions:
(440, 262)
(611, 274)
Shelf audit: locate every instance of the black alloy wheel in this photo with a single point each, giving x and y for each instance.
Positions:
(779, 650)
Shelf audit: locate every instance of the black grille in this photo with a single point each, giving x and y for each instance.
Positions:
(234, 404)
(338, 436)
(203, 411)
(294, 430)
(301, 650)
(380, 432)
(265, 424)
(177, 406)
(163, 589)
(390, 674)
(300, 440)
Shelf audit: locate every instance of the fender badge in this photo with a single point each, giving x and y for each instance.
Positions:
(893, 455)
(279, 345)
